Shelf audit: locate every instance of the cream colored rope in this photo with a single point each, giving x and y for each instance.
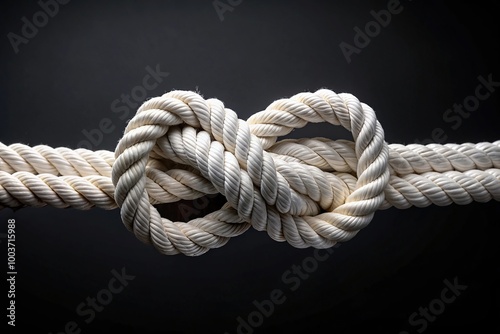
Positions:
(308, 192)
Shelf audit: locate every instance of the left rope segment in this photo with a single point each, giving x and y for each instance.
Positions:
(41, 175)
(81, 179)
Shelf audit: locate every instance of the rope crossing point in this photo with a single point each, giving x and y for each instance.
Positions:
(309, 192)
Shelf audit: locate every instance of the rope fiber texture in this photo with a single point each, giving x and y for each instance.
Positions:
(309, 192)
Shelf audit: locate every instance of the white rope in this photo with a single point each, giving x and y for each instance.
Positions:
(309, 192)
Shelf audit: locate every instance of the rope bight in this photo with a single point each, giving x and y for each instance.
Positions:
(309, 192)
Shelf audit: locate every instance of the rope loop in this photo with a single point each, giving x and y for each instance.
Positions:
(306, 203)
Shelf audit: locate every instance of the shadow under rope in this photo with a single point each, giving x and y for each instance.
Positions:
(186, 210)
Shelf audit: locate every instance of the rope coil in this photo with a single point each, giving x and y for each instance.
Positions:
(309, 192)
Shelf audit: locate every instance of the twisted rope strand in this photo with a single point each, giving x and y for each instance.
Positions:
(326, 154)
(308, 192)
(96, 191)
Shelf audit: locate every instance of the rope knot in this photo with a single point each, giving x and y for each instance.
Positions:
(287, 188)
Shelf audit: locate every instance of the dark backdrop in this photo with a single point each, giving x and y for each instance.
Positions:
(63, 81)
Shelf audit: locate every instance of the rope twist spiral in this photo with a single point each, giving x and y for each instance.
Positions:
(309, 192)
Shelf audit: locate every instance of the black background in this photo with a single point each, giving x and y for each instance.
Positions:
(428, 58)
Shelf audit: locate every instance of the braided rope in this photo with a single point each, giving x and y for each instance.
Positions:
(309, 192)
